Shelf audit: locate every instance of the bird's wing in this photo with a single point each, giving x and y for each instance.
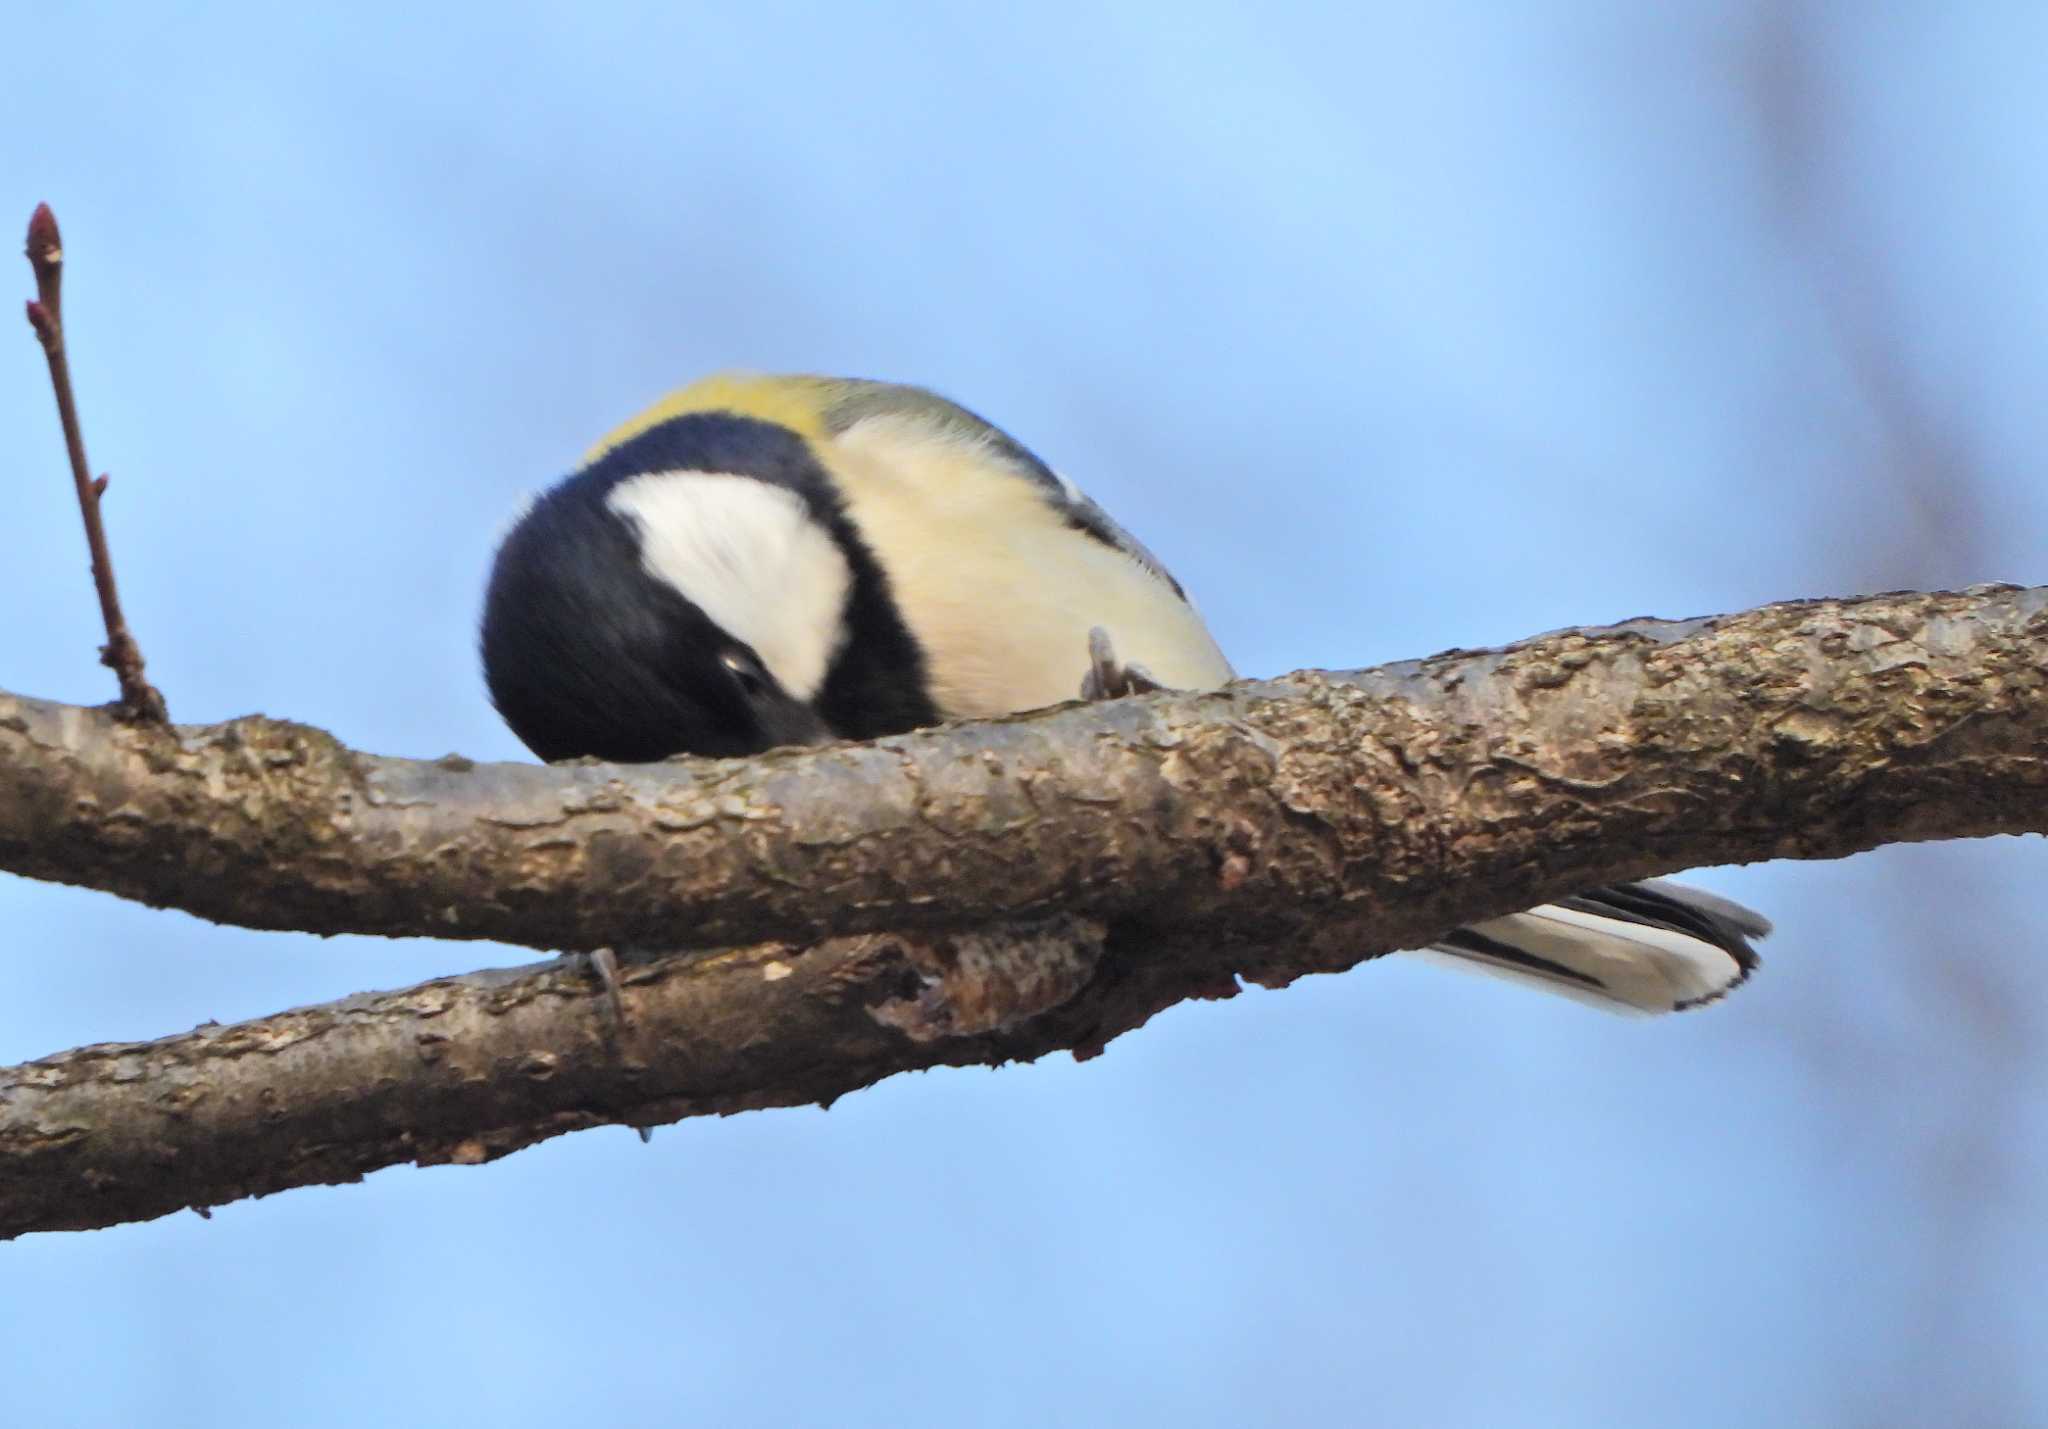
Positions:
(849, 401)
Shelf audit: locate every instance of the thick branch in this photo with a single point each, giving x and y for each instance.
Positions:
(1271, 830)
(1807, 730)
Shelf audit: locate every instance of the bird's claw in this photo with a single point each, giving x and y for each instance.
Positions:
(1108, 678)
(605, 963)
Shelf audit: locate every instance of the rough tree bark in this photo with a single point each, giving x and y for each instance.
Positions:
(970, 894)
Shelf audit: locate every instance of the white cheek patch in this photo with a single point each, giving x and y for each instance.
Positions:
(748, 555)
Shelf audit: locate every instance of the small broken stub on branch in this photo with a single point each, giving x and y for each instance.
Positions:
(988, 980)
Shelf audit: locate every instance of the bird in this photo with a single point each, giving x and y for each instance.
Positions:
(763, 561)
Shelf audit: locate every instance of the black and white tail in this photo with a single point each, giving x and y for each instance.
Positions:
(1635, 947)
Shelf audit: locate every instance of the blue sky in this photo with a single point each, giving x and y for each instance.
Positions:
(1390, 329)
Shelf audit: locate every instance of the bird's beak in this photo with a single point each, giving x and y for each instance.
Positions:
(786, 721)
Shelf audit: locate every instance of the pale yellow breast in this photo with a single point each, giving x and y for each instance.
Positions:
(999, 590)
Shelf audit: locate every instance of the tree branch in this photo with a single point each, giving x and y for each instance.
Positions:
(464, 1070)
(1176, 842)
(1806, 730)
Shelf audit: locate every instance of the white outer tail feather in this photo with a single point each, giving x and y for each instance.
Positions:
(1617, 964)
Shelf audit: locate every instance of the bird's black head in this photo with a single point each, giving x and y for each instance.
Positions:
(680, 595)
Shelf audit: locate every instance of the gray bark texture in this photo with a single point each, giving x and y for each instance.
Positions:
(972, 894)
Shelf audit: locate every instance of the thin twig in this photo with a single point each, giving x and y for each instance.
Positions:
(140, 700)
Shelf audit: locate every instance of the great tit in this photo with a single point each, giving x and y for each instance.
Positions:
(764, 561)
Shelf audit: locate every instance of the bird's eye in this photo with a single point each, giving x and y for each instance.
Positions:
(750, 677)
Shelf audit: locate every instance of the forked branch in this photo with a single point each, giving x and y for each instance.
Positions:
(967, 894)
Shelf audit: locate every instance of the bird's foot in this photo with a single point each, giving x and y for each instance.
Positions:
(605, 963)
(1108, 678)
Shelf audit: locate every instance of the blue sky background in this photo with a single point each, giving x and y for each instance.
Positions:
(1391, 329)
